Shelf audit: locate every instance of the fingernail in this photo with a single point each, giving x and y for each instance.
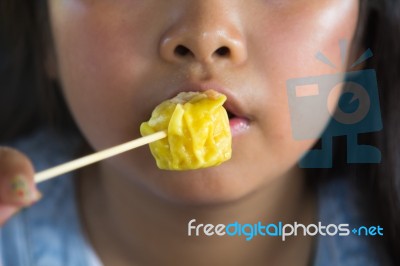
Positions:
(21, 192)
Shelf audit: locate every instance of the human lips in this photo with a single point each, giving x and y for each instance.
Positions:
(239, 121)
(238, 125)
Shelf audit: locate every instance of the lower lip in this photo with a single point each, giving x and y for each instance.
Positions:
(238, 125)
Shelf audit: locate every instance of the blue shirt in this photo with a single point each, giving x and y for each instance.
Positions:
(49, 233)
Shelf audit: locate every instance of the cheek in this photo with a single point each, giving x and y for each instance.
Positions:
(297, 40)
(291, 54)
(99, 61)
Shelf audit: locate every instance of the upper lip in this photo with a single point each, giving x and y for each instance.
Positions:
(233, 105)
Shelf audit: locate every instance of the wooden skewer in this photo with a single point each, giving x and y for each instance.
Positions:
(98, 156)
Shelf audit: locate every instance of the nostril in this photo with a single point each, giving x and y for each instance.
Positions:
(223, 51)
(181, 50)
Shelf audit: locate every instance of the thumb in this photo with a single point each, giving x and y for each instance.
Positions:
(17, 187)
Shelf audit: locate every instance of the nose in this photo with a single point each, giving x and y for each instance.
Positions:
(203, 36)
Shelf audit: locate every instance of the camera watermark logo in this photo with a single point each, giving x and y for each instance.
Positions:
(348, 101)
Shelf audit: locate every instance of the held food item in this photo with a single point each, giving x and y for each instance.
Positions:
(198, 132)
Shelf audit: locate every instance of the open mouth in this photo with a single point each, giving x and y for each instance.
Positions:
(237, 124)
(230, 110)
(230, 115)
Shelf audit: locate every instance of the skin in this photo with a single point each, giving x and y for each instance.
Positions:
(115, 61)
(17, 189)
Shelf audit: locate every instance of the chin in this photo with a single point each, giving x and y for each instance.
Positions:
(223, 184)
(211, 186)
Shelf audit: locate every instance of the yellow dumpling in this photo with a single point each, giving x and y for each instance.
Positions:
(198, 132)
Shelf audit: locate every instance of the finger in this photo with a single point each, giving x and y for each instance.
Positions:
(6, 212)
(17, 186)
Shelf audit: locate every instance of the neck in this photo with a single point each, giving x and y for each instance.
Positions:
(136, 225)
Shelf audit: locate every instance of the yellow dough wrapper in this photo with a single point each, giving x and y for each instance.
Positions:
(198, 132)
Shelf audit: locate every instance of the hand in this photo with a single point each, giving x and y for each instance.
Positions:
(17, 186)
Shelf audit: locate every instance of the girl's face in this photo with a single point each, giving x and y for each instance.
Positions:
(118, 59)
